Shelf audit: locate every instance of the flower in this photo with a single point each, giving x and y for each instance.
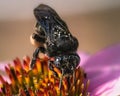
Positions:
(103, 71)
(40, 81)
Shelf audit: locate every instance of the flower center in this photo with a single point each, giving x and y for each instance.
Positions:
(40, 81)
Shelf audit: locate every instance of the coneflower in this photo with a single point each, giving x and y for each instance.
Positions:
(40, 81)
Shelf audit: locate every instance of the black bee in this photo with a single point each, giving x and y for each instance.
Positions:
(56, 41)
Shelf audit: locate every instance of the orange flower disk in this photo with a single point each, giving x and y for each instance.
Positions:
(40, 81)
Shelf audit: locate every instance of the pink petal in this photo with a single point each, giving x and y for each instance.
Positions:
(103, 67)
(2, 70)
(2, 67)
(83, 57)
(111, 88)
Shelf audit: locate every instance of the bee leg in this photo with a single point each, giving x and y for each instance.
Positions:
(35, 55)
(68, 81)
(61, 78)
(74, 77)
(50, 65)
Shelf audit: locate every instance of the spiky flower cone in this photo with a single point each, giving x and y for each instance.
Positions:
(40, 81)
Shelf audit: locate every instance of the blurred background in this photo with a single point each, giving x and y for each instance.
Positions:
(96, 24)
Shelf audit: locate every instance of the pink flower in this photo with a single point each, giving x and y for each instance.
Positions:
(103, 71)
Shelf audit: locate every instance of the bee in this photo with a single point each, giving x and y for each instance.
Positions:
(55, 40)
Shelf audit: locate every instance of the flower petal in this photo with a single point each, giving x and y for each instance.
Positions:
(112, 90)
(83, 58)
(2, 70)
(103, 67)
